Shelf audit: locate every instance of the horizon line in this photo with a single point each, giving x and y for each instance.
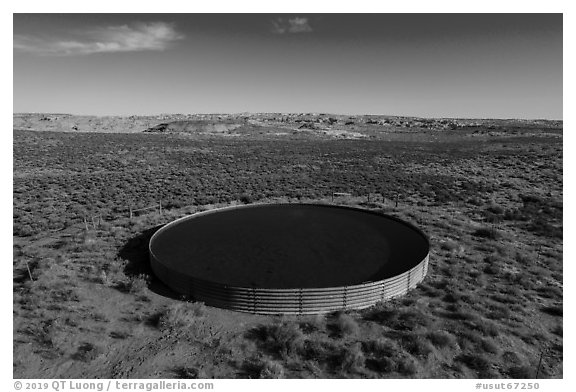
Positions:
(292, 113)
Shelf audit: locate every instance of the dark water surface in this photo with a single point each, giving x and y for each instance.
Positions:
(288, 246)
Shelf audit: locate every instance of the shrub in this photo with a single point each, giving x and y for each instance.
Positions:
(459, 313)
(550, 292)
(451, 297)
(314, 368)
(407, 366)
(315, 323)
(127, 284)
(119, 334)
(499, 313)
(505, 298)
(449, 245)
(542, 227)
(86, 352)
(416, 345)
(475, 362)
(411, 319)
(520, 372)
(486, 327)
(492, 270)
(402, 320)
(246, 198)
(381, 347)
(256, 367)
(319, 349)
(352, 358)
(24, 230)
(429, 290)
(441, 339)
(185, 372)
(475, 201)
(382, 313)
(489, 346)
(511, 357)
(522, 258)
(488, 233)
(181, 316)
(346, 325)
(555, 310)
(89, 239)
(382, 364)
(271, 369)
(495, 209)
(284, 338)
(137, 284)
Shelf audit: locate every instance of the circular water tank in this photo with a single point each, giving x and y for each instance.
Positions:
(289, 258)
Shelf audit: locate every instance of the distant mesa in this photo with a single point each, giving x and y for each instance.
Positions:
(333, 126)
(195, 126)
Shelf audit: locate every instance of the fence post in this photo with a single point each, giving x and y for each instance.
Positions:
(160, 204)
(130, 212)
(539, 364)
(29, 272)
(86, 223)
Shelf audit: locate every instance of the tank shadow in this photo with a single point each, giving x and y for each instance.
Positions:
(135, 252)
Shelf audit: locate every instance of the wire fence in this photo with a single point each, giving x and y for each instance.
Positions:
(95, 221)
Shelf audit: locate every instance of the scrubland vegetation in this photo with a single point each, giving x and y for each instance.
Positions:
(87, 305)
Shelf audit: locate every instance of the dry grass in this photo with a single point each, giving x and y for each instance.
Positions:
(491, 302)
(181, 316)
(345, 325)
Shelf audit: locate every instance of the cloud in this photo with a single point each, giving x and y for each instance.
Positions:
(110, 39)
(291, 25)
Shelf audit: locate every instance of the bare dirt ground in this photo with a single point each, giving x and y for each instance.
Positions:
(487, 193)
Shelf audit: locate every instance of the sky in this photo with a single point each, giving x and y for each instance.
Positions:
(426, 65)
